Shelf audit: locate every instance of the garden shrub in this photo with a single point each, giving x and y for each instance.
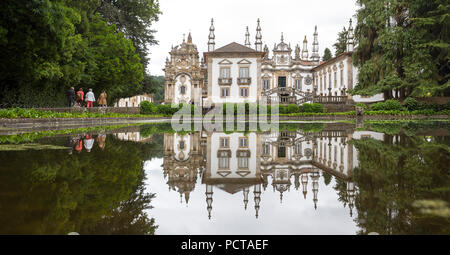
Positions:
(283, 109)
(293, 108)
(147, 108)
(315, 107)
(307, 107)
(388, 105)
(411, 104)
(364, 106)
(392, 105)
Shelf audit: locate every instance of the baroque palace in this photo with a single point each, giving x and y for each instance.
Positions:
(237, 73)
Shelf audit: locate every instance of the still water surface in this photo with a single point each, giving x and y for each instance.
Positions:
(309, 178)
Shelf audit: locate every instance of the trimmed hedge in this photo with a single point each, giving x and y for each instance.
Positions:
(314, 107)
(293, 108)
(388, 105)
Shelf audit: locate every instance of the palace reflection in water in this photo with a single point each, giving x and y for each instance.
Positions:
(115, 180)
(247, 163)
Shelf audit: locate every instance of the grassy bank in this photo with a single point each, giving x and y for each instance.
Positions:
(18, 113)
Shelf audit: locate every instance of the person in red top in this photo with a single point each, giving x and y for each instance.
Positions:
(80, 97)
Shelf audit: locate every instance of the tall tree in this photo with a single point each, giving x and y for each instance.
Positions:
(135, 19)
(341, 44)
(327, 55)
(402, 47)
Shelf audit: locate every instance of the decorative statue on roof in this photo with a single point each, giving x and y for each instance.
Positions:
(297, 52)
(266, 50)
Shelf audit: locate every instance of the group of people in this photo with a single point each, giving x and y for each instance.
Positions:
(87, 140)
(78, 98)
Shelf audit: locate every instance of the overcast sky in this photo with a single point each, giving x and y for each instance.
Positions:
(295, 18)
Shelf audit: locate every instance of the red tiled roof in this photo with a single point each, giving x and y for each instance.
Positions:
(234, 47)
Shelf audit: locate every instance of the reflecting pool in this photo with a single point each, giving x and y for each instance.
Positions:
(306, 178)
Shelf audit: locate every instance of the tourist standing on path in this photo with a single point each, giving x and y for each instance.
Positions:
(102, 99)
(71, 96)
(80, 97)
(90, 98)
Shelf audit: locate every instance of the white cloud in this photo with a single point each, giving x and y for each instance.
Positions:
(295, 18)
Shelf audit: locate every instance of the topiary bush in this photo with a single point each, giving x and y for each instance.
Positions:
(283, 109)
(364, 106)
(293, 108)
(147, 108)
(307, 107)
(388, 105)
(392, 105)
(314, 107)
(411, 104)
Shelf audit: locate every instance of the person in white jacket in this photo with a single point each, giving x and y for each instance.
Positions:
(90, 98)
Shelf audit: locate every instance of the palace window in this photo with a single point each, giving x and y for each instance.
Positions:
(266, 84)
(224, 142)
(224, 162)
(183, 90)
(282, 81)
(225, 92)
(298, 84)
(243, 142)
(335, 79)
(329, 80)
(243, 92)
(243, 162)
(266, 149)
(224, 72)
(342, 78)
(281, 152)
(321, 84)
(298, 149)
(243, 72)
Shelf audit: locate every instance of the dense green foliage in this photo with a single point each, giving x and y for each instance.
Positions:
(293, 108)
(97, 192)
(14, 113)
(364, 106)
(341, 43)
(49, 46)
(314, 107)
(393, 176)
(388, 105)
(327, 55)
(403, 46)
(410, 105)
(155, 86)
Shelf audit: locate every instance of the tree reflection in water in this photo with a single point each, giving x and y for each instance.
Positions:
(96, 192)
(96, 185)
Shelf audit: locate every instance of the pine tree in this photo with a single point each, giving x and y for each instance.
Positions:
(341, 44)
(402, 48)
(327, 55)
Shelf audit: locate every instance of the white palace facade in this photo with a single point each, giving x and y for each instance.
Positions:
(237, 73)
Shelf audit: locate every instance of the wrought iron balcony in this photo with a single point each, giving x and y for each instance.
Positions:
(244, 81)
(224, 81)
